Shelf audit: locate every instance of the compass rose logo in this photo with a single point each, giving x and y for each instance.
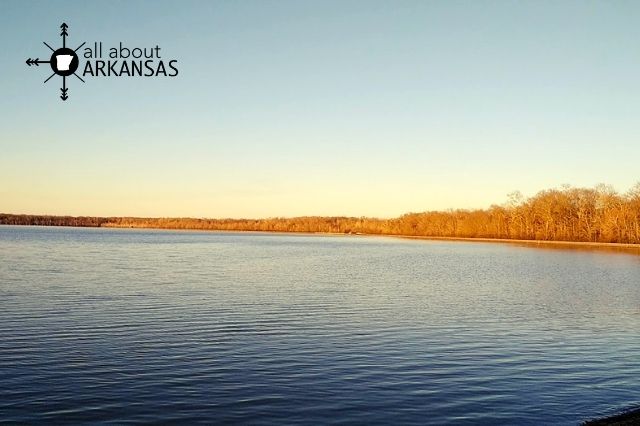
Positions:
(64, 62)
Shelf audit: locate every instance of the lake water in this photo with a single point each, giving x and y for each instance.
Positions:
(100, 325)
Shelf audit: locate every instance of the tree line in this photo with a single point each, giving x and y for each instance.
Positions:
(598, 214)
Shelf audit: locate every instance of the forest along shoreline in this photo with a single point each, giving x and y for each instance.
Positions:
(592, 217)
(583, 245)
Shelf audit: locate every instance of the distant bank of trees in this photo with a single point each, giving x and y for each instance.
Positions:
(42, 220)
(597, 214)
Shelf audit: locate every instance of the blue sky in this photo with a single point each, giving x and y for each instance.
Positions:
(286, 108)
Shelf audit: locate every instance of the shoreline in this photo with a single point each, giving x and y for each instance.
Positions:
(625, 418)
(620, 247)
(589, 244)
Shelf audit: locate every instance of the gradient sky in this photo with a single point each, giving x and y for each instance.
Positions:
(286, 108)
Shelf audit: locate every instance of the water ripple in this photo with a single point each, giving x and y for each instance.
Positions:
(130, 326)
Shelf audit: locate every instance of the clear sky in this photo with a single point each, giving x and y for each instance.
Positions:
(286, 108)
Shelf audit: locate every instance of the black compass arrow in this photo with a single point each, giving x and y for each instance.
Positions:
(64, 89)
(36, 62)
(64, 34)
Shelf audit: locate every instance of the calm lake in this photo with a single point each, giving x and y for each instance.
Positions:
(109, 325)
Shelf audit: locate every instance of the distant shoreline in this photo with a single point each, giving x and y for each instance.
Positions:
(621, 247)
(527, 242)
(585, 217)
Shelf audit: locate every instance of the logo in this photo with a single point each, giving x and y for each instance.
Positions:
(121, 61)
(64, 62)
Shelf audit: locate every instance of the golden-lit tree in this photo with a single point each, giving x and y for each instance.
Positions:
(597, 214)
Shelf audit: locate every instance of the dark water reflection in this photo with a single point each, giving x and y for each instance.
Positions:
(133, 326)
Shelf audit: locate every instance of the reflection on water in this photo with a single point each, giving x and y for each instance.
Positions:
(124, 325)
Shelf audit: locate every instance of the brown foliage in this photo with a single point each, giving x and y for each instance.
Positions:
(569, 214)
